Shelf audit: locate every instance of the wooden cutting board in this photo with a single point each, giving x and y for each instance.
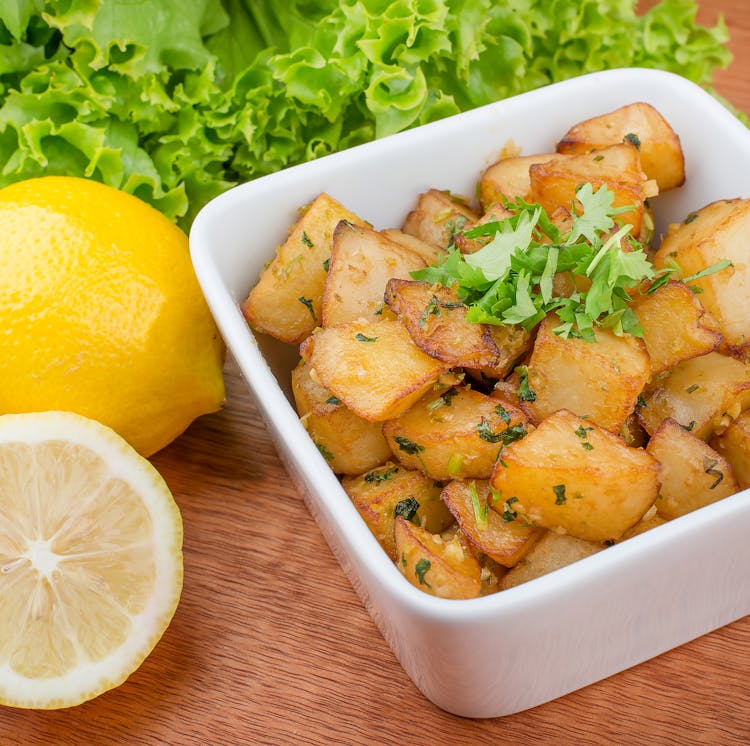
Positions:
(270, 645)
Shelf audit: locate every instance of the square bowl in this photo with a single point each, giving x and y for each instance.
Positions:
(506, 652)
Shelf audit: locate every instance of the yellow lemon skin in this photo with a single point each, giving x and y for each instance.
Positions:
(101, 313)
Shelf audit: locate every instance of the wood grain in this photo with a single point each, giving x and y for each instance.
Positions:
(270, 645)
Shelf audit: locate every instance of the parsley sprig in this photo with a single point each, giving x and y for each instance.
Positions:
(509, 280)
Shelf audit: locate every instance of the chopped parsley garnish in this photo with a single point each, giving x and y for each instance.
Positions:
(406, 508)
(509, 280)
(559, 490)
(403, 559)
(421, 569)
(690, 218)
(408, 446)
(641, 402)
(431, 309)
(508, 513)
(507, 436)
(307, 240)
(333, 400)
(454, 225)
(327, 455)
(583, 433)
(709, 466)
(444, 400)
(689, 427)
(633, 139)
(376, 477)
(692, 387)
(327, 264)
(307, 302)
(362, 338)
(480, 508)
(502, 413)
(524, 391)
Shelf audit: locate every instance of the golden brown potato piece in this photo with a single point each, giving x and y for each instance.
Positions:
(509, 178)
(734, 445)
(718, 231)
(455, 435)
(499, 536)
(438, 217)
(436, 321)
(617, 167)
(440, 568)
(551, 552)
(389, 491)
(704, 394)
(651, 520)
(601, 380)
(573, 476)
(372, 366)
(431, 253)
(350, 444)
(494, 213)
(692, 473)
(362, 262)
(674, 326)
(642, 125)
(286, 302)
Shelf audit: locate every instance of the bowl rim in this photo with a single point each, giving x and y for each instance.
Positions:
(276, 407)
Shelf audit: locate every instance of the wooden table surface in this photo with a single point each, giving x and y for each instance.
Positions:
(270, 645)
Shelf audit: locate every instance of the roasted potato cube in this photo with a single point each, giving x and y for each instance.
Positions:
(438, 216)
(642, 125)
(494, 213)
(704, 394)
(455, 435)
(436, 321)
(384, 493)
(734, 445)
(601, 380)
(718, 231)
(617, 167)
(674, 326)
(573, 476)
(500, 537)
(509, 178)
(286, 302)
(362, 262)
(692, 473)
(371, 366)
(350, 444)
(551, 552)
(440, 568)
(431, 253)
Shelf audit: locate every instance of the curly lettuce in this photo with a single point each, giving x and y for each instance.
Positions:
(178, 100)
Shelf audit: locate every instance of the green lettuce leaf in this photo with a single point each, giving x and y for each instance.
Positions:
(178, 100)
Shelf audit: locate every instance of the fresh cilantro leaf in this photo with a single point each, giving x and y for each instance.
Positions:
(421, 569)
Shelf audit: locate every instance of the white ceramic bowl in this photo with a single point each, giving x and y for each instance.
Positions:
(513, 650)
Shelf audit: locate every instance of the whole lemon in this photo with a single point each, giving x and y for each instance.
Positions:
(101, 313)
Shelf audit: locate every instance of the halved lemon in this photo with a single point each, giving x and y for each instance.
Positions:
(90, 559)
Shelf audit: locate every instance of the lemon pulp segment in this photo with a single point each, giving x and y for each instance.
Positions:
(90, 559)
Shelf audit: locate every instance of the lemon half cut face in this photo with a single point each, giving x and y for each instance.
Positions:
(90, 559)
